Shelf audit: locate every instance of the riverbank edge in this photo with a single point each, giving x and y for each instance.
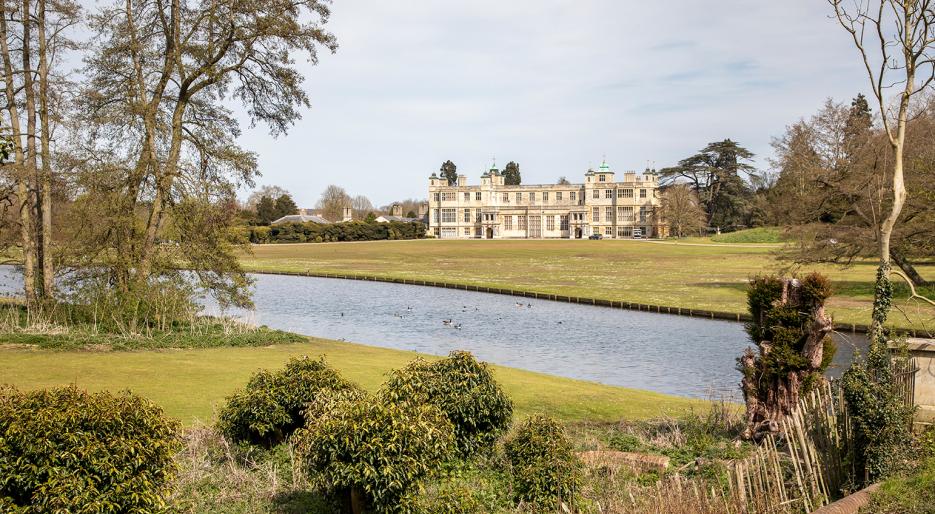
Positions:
(853, 328)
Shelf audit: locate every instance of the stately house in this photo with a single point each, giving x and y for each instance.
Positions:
(492, 210)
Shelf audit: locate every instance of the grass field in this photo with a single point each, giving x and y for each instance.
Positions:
(699, 275)
(191, 383)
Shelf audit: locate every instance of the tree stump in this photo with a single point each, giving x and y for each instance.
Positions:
(792, 333)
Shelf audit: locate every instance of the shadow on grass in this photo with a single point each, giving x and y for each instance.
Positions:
(301, 502)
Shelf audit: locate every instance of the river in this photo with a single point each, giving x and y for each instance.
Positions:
(671, 354)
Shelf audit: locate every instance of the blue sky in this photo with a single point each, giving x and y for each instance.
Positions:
(551, 84)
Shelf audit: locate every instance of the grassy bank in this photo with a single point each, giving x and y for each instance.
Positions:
(697, 275)
(191, 383)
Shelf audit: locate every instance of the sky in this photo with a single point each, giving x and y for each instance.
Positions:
(554, 85)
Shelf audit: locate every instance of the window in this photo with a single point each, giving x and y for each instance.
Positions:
(532, 197)
(595, 214)
(550, 222)
(448, 215)
(477, 217)
(545, 196)
(608, 231)
(477, 196)
(521, 222)
(519, 197)
(571, 196)
(435, 216)
(506, 197)
(467, 215)
(624, 231)
(437, 197)
(558, 196)
(449, 233)
(602, 178)
(596, 193)
(477, 232)
(624, 193)
(448, 196)
(435, 231)
(625, 213)
(643, 212)
(467, 231)
(608, 193)
(642, 193)
(535, 226)
(609, 214)
(508, 223)
(563, 222)
(467, 196)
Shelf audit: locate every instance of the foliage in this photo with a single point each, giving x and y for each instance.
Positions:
(473, 487)
(271, 406)
(546, 472)
(349, 231)
(449, 171)
(914, 493)
(373, 451)
(266, 210)
(714, 174)
(511, 175)
(880, 417)
(464, 390)
(66, 450)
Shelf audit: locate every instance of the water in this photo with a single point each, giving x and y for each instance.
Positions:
(670, 354)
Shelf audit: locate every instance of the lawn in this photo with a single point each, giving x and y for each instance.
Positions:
(191, 383)
(698, 275)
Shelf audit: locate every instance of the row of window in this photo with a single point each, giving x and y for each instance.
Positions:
(451, 232)
(449, 196)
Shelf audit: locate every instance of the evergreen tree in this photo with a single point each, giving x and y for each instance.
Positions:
(511, 176)
(266, 210)
(285, 206)
(449, 171)
(715, 174)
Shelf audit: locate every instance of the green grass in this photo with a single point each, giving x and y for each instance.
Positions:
(211, 337)
(751, 235)
(708, 276)
(190, 384)
(913, 494)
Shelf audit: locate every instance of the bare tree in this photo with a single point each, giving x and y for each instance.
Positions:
(682, 210)
(273, 192)
(332, 202)
(361, 205)
(896, 41)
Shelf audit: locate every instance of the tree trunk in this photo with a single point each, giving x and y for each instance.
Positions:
(22, 179)
(32, 158)
(45, 181)
(907, 267)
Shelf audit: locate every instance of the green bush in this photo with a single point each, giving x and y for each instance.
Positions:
(66, 450)
(346, 231)
(371, 452)
(270, 408)
(465, 390)
(468, 488)
(546, 472)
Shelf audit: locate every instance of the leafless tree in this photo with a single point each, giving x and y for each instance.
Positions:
(682, 210)
(332, 202)
(361, 205)
(896, 42)
(271, 191)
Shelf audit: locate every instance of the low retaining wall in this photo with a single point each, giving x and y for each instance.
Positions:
(614, 304)
(849, 504)
(924, 352)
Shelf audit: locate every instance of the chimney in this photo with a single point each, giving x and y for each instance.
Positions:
(423, 207)
(348, 214)
(396, 210)
(462, 180)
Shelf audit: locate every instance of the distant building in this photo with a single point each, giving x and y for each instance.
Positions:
(300, 218)
(492, 210)
(396, 212)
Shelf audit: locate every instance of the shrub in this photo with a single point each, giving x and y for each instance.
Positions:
(270, 408)
(66, 450)
(546, 471)
(912, 494)
(346, 231)
(372, 452)
(465, 390)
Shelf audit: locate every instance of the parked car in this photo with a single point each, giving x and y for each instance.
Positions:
(595, 236)
(637, 234)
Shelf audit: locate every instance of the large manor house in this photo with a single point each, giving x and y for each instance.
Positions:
(493, 210)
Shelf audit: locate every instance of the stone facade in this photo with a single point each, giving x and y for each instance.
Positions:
(602, 205)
